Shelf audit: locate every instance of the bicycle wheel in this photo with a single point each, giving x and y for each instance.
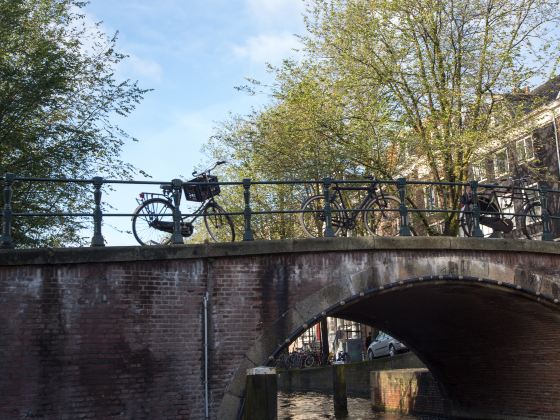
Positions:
(312, 218)
(293, 361)
(531, 220)
(150, 219)
(490, 214)
(309, 361)
(382, 217)
(218, 223)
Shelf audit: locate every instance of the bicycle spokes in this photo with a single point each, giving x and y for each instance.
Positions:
(382, 217)
(153, 222)
(218, 224)
(313, 220)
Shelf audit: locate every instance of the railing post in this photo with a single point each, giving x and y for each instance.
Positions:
(327, 207)
(248, 234)
(97, 239)
(403, 210)
(547, 231)
(6, 241)
(176, 237)
(477, 232)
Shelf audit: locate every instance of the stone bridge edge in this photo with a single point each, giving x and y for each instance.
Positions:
(42, 256)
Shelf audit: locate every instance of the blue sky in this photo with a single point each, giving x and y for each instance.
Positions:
(192, 53)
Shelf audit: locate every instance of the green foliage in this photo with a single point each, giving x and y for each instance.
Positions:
(442, 67)
(58, 92)
(395, 88)
(314, 128)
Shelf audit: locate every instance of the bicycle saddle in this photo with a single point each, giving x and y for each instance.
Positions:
(166, 187)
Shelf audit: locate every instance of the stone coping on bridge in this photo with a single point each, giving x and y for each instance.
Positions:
(234, 249)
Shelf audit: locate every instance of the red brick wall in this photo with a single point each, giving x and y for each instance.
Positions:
(102, 341)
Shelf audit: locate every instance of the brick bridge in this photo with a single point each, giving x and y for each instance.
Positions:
(118, 332)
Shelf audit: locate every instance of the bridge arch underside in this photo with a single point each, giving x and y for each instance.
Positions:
(486, 324)
(492, 346)
(494, 351)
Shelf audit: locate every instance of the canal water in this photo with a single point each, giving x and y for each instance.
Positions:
(311, 405)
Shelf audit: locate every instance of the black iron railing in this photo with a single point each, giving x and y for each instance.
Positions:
(403, 189)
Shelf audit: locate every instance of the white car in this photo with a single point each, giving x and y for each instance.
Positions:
(385, 345)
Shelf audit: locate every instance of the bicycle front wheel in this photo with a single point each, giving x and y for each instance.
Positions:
(152, 222)
(218, 223)
(382, 217)
(312, 218)
(531, 221)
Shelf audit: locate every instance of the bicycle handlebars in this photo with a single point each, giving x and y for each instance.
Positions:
(167, 188)
(208, 170)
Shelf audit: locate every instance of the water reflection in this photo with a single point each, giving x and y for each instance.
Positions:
(311, 405)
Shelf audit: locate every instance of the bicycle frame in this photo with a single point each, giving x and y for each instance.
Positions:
(493, 202)
(513, 194)
(350, 214)
(166, 195)
(159, 214)
(187, 222)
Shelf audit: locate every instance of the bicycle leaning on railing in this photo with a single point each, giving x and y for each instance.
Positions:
(152, 223)
(528, 217)
(379, 211)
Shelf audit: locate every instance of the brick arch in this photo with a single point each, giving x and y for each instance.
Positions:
(528, 297)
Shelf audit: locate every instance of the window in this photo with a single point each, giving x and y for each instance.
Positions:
(501, 164)
(529, 147)
(310, 339)
(438, 226)
(479, 171)
(531, 193)
(431, 198)
(350, 329)
(524, 149)
(520, 150)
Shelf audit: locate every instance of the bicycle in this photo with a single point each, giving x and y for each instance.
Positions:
(152, 223)
(380, 212)
(282, 361)
(300, 359)
(492, 214)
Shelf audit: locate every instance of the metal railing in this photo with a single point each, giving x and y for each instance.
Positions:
(401, 187)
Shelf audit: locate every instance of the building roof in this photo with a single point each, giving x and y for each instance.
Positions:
(541, 95)
(548, 91)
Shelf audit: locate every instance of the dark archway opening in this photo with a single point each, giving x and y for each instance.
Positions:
(493, 350)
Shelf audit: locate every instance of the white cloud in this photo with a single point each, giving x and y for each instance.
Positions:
(133, 66)
(284, 14)
(268, 48)
(196, 123)
(141, 68)
(277, 21)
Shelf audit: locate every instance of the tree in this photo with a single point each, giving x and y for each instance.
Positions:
(313, 128)
(441, 66)
(394, 87)
(58, 93)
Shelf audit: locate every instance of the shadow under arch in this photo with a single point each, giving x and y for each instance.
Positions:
(490, 344)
